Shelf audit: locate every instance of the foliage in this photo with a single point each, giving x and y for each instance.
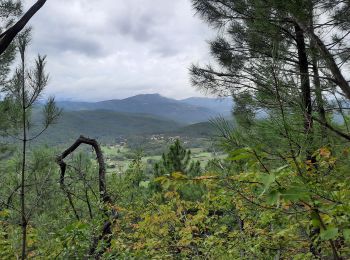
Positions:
(281, 191)
(177, 159)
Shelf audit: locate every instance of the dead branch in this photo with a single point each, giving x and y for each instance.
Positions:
(104, 198)
(101, 164)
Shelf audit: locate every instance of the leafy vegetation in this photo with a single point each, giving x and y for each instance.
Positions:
(275, 186)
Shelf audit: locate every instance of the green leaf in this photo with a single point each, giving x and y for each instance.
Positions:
(346, 233)
(240, 151)
(295, 194)
(240, 157)
(240, 154)
(267, 180)
(329, 233)
(273, 197)
(144, 184)
(315, 220)
(281, 168)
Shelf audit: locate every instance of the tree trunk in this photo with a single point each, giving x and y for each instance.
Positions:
(318, 91)
(316, 78)
(339, 78)
(305, 79)
(24, 152)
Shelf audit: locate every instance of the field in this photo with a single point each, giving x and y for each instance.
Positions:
(119, 156)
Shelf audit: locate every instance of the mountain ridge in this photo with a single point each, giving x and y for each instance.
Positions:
(139, 115)
(104, 125)
(189, 111)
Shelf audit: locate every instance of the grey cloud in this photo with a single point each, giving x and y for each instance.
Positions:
(166, 50)
(70, 43)
(139, 29)
(115, 48)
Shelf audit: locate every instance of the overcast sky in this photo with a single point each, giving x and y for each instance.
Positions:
(106, 49)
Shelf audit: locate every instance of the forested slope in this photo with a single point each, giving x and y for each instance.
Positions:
(275, 186)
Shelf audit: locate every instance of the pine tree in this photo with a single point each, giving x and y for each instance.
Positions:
(22, 92)
(265, 47)
(273, 53)
(177, 159)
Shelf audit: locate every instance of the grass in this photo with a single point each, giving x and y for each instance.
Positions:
(118, 157)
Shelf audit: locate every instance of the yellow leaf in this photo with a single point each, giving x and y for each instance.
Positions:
(325, 152)
(178, 175)
(206, 177)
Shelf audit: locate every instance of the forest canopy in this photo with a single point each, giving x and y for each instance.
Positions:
(274, 182)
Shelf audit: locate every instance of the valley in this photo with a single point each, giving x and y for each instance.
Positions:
(137, 119)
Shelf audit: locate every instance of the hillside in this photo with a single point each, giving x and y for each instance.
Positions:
(184, 111)
(140, 115)
(104, 125)
(203, 129)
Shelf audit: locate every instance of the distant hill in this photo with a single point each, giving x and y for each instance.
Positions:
(104, 125)
(192, 110)
(203, 129)
(139, 115)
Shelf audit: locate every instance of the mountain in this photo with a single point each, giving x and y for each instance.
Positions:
(192, 110)
(140, 115)
(76, 106)
(104, 125)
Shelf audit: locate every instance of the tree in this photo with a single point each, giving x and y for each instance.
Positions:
(177, 159)
(177, 163)
(271, 51)
(21, 94)
(9, 10)
(258, 34)
(109, 215)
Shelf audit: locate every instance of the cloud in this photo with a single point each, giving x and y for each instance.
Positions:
(114, 48)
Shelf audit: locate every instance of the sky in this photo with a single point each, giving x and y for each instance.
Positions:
(112, 49)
